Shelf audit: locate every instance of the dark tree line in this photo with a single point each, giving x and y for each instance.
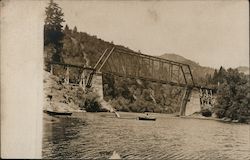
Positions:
(53, 33)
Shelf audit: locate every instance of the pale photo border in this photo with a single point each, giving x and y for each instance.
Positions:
(21, 78)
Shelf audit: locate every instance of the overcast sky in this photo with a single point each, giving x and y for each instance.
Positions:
(212, 33)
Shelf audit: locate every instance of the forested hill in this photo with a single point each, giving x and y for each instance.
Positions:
(80, 48)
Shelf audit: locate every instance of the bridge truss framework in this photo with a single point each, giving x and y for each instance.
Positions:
(129, 64)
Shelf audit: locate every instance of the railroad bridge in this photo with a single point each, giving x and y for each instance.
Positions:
(129, 64)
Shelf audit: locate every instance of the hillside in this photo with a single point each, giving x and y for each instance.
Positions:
(200, 73)
(124, 94)
(80, 48)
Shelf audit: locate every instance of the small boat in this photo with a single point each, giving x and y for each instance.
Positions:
(57, 113)
(146, 118)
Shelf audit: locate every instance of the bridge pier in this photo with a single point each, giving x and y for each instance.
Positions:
(66, 79)
(199, 99)
(185, 100)
(51, 69)
(83, 79)
(97, 84)
(193, 105)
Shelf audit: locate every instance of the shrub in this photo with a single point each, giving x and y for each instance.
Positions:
(91, 103)
(233, 96)
(206, 112)
(120, 104)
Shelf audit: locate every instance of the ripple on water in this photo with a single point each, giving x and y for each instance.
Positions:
(97, 135)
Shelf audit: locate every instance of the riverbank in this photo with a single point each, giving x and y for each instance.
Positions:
(134, 115)
(226, 120)
(62, 97)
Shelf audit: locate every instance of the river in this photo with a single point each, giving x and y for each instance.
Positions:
(97, 135)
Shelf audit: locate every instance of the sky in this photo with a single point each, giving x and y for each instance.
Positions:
(213, 33)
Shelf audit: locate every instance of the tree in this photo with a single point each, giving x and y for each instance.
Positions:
(66, 29)
(75, 30)
(221, 74)
(53, 34)
(215, 77)
(233, 96)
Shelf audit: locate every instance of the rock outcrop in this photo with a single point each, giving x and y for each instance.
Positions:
(59, 96)
(62, 97)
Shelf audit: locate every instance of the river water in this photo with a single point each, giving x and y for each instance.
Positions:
(97, 135)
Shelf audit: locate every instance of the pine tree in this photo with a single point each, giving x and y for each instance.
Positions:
(53, 34)
(66, 29)
(215, 77)
(221, 74)
(75, 30)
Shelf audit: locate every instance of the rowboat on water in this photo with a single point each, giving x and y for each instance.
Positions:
(57, 113)
(147, 118)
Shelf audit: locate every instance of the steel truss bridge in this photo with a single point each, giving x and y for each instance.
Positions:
(129, 64)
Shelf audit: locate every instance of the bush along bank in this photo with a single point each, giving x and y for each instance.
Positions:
(233, 97)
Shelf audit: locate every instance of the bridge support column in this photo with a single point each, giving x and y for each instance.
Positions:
(51, 69)
(184, 101)
(66, 80)
(83, 80)
(194, 104)
(97, 84)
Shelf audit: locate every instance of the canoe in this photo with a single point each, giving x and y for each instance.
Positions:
(57, 113)
(147, 118)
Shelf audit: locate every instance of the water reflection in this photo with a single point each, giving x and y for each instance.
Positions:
(97, 135)
(59, 136)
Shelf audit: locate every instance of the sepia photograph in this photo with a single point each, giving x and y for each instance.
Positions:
(139, 79)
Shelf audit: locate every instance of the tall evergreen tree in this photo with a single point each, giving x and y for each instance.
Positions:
(66, 29)
(75, 30)
(53, 34)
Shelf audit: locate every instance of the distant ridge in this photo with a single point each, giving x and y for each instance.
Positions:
(200, 73)
(243, 69)
(178, 58)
